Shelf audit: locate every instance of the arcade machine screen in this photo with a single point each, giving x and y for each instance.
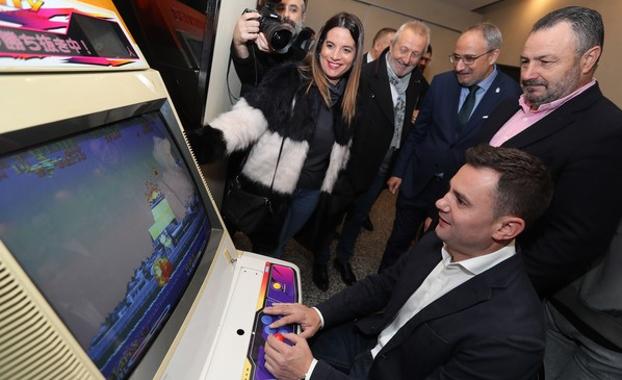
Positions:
(110, 227)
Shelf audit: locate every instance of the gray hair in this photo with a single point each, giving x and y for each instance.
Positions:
(586, 23)
(491, 34)
(415, 26)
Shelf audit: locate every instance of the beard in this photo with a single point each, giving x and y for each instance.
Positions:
(552, 91)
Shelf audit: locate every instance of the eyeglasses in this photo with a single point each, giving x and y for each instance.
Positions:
(404, 51)
(466, 59)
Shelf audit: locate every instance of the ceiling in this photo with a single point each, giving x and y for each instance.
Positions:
(470, 5)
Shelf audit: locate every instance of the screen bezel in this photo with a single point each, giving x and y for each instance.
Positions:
(29, 137)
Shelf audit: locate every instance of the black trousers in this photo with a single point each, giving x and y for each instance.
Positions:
(345, 348)
(408, 219)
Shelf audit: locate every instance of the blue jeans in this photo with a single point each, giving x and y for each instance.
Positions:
(570, 355)
(354, 222)
(301, 207)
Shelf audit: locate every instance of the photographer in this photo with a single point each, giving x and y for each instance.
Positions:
(252, 52)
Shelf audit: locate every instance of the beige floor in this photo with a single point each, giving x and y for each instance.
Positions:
(369, 249)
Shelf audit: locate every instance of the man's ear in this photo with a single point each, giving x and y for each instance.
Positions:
(494, 55)
(508, 228)
(589, 59)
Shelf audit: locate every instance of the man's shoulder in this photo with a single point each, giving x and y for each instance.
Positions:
(602, 104)
(504, 79)
(417, 79)
(429, 243)
(448, 77)
(591, 104)
(371, 69)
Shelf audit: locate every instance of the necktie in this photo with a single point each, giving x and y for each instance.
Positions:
(467, 106)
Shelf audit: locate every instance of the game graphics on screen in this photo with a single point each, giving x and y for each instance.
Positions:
(120, 229)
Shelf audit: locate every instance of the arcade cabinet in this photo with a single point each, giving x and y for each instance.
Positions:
(114, 261)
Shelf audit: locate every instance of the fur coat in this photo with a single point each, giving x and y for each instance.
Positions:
(279, 111)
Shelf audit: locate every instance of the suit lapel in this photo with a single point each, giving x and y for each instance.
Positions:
(497, 119)
(380, 88)
(421, 260)
(413, 93)
(476, 290)
(484, 107)
(451, 105)
(556, 120)
(462, 297)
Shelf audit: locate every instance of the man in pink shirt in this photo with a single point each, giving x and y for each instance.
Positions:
(563, 118)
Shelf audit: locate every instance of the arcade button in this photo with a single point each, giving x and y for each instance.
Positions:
(277, 286)
(266, 319)
(269, 330)
(280, 337)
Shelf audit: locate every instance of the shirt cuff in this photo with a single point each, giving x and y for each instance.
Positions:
(319, 313)
(311, 368)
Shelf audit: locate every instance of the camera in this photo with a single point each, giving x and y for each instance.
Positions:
(279, 33)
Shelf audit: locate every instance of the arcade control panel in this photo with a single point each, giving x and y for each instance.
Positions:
(279, 285)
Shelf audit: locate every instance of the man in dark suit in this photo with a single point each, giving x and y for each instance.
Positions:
(455, 107)
(459, 306)
(564, 119)
(389, 91)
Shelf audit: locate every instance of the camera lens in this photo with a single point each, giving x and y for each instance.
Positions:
(279, 33)
(280, 39)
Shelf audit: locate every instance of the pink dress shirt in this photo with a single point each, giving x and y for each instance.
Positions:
(525, 117)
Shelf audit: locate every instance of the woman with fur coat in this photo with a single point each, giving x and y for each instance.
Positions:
(300, 117)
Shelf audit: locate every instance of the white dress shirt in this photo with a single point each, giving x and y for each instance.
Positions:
(446, 276)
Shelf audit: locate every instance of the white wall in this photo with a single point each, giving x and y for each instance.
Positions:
(516, 17)
(217, 95)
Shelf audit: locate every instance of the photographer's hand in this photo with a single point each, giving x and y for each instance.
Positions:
(246, 29)
(262, 43)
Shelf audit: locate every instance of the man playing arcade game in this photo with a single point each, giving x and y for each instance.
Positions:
(459, 306)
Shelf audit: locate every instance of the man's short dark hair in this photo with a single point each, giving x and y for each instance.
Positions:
(586, 23)
(525, 187)
(381, 33)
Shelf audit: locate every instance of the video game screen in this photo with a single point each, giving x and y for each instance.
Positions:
(110, 227)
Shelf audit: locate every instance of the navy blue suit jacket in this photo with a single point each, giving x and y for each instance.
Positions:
(490, 327)
(434, 148)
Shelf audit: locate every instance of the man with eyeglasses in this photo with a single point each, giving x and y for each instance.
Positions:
(456, 105)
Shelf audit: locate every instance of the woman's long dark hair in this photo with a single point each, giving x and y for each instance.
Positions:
(318, 77)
